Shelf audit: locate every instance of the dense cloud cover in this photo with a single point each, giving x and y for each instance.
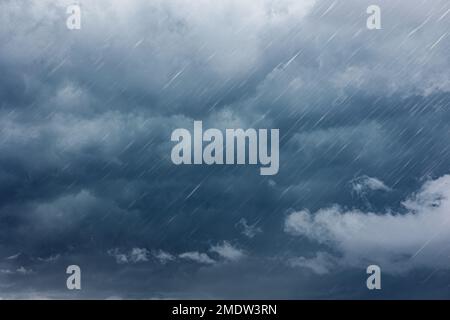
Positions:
(85, 170)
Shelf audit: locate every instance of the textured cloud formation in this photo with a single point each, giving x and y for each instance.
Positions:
(134, 256)
(197, 257)
(322, 263)
(85, 124)
(227, 251)
(397, 241)
(249, 231)
(163, 256)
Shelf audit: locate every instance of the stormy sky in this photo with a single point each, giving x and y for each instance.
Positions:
(86, 176)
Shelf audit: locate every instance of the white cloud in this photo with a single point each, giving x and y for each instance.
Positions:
(24, 271)
(121, 258)
(51, 258)
(138, 255)
(6, 271)
(197, 257)
(249, 231)
(163, 256)
(396, 241)
(13, 257)
(364, 184)
(227, 251)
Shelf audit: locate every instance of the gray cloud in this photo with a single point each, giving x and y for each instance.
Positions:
(362, 185)
(85, 123)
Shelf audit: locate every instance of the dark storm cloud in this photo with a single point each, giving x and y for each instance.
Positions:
(86, 118)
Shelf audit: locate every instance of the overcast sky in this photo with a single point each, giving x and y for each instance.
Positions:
(86, 176)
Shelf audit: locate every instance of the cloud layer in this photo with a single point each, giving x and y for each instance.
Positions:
(85, 170)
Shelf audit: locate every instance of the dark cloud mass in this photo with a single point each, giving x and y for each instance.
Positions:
(86, 176)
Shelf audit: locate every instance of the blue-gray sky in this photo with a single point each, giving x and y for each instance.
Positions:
(86, 176)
